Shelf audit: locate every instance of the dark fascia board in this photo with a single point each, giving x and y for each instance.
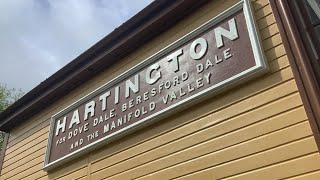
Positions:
(3, 150)
(141, 28)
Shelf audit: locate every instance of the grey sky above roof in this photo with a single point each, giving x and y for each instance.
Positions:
(38, 37)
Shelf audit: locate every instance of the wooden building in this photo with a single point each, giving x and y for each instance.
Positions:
(185, 89)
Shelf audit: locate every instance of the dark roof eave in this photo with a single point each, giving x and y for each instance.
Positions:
(141, 28)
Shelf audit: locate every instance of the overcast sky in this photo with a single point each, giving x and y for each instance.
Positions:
(38, 37)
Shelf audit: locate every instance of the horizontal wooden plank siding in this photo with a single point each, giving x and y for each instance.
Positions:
(313, 175)
(258, 130)
(229, 140)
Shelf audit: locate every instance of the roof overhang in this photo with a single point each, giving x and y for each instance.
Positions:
(154, 19)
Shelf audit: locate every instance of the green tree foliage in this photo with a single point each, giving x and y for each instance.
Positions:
(7, 97)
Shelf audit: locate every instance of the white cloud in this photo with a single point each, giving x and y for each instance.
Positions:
(38, 37)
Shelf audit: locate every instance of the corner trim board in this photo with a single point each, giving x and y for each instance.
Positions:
(303, 72)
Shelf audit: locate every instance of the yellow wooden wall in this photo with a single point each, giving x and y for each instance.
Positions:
(256, 131)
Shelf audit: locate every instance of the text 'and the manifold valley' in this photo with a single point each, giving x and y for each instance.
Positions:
(151, 76)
